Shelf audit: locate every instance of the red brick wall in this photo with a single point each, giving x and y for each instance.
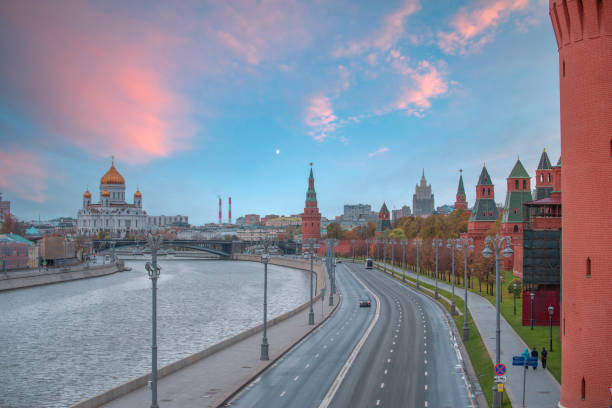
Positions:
(542, 299)
(584, 37)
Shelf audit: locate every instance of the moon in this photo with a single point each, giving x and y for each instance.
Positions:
(277, 151)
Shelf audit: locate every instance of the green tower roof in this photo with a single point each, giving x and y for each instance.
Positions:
(544, 162)
(484, 179)
(519, 171)
(460, 189)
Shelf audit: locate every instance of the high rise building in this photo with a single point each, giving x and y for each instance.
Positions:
(583, 30)
(402, 212)
(357, 211)
(422, 199)
(311, 218)
(460, 197)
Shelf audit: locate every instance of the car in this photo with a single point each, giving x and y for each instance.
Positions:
(365, 302)
(339, 261)
(369, 264)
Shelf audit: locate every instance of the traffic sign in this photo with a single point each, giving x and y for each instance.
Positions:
(532, 361)
(500, 378)
(500, 369)
(518, 361)
(500, 387)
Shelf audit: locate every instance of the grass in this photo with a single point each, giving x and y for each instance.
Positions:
(481, 361)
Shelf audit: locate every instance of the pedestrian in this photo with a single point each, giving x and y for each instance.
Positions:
(543, 355)
(534, 353)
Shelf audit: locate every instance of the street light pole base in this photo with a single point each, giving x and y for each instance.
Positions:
(466, 333)
(498, 398)
(453, 310)
(264, 352)
(311, 317)
(437, 295)
(331, 299)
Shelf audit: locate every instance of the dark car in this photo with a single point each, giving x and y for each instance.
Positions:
(365, 302)
(339, 261)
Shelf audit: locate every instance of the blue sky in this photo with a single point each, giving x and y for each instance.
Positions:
(194, 100)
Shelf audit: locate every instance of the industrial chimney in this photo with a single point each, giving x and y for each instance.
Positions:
(230, 210)
(220, 219)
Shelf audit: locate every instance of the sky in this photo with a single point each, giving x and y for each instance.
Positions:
(200, 99)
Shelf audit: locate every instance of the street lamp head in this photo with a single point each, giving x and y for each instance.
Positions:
(471, 248)
(487, 252)
(152, 271)
(532, 295)
(265, 257)
(514, 285)
(507, 252)
(551, 310)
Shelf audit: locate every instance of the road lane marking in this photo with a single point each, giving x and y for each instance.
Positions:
(317, 355)
(385, 372)
(307, 365)
(388, 360)
(425, 386)
(425, 373)
(296, 378)
(382, 385)
(426, 403)
(425, 361)
(377, 402)
(282, 393)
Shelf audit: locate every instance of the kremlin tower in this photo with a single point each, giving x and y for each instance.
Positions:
(461, 202)
(384, 220)
(518, 193)
(583, 30)
(544, 180)
(311, 218)
(484, 213)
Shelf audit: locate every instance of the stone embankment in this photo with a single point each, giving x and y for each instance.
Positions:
(34, 277)
(137, 383)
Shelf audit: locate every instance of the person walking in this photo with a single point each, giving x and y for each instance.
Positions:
(543, 356)
(534, 353)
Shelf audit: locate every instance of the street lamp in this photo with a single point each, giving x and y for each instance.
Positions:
(450, 244)
(384, 243)
(497, 244)
(465, 244)
(551, 310)
(532, 296)
(404, 242)
(368, 242)
(437, 244)
(514, 295)
(265, 258)
(311, 242)
(418, 243)
(353, 246)
(153, 271)
(334, 244)
(392, 242)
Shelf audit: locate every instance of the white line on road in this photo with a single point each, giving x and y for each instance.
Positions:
(385, 372)
(282, 393)
(317, 355)
(425, 373)
(425, 386)
(388, 360)
(382, 385)
(307, 365)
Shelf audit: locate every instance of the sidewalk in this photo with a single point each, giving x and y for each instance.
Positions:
(209, 381)
(542, 390)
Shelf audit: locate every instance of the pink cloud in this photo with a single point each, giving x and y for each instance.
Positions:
(23, 174)
(429, 83)
(320, 118)
(379, 151)
(99, 82)
(386, 37)
(474, 29)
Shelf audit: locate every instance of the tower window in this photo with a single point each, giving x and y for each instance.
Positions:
(548, 177)
(516, 184)
(490, 213)
(563, 68)
(515, 210)
(516, 228)
(483, 191)
(489, 191)
(524, 184)
(583, 391)
(588, 267)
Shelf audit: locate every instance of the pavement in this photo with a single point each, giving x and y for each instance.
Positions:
(411, 358)
(542, 390)
(208, 382)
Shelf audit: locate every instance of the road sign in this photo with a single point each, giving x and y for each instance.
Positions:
(500, 387)
(500, 369)
(322, 292)
(532, 361)
(518, 361)
(500, 378)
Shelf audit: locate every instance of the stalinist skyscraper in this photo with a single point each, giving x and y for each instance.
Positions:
(423, 199)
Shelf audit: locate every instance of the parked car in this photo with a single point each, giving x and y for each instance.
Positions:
(365, 302)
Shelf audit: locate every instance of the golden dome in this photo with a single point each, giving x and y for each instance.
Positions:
(137, 194)
(86, 194)
(112, 176)
(105, 193)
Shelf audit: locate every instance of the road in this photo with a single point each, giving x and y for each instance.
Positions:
(302, 377)
(409, 359)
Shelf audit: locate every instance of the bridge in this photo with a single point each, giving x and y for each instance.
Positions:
(223, 249)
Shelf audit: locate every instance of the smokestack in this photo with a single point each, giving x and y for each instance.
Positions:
(220, 219)
(230, 210)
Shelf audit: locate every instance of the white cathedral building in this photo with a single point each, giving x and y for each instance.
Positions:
(114, 215)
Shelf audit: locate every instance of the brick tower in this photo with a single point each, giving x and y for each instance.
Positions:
(518, 193)
(311, 218)
(544, 179)
(384, 220)
(460, 197)
(583, 30)
(484, 213)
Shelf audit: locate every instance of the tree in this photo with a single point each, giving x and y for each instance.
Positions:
(10, 225)
(334, 230)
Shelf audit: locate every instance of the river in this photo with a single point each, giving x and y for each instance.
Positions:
(62, 343)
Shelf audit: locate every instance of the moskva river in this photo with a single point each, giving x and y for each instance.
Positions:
(62, 343)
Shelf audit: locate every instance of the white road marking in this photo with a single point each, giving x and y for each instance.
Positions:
(385, 372)
(391, 351)
(425, 361)
(388, 360)
(317, 355)
(377, 402)
(425, 351)
(426, 403)
(296, 378)
(307, 365)
(282, 393)
(382, 385)
(425, 373)
(425, 386)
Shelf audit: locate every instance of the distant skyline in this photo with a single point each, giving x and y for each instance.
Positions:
(236, 98)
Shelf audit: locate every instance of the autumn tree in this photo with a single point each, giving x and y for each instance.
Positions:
(334, 230)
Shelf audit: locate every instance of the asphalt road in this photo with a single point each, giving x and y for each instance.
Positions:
(304, 375)
(409, 359)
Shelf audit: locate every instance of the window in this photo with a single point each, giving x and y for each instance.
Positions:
(483, 191)
(488, 191)
(524, 184)
(515, 210)
(563, 68)
(542, 178)
(516, 228)
(490, 213)
(516, 184)
(583, 389)
(588, 267)
(548, 177)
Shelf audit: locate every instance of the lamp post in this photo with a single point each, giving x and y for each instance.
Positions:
(311, 242)
(437, 244)
(384, 242)
(514, 295)
(465, 244)
(497, 244)
(451, 243)
(368, 242)
(404, 243)
(392, 242)
(353, 246)
(418, 243)
(334, 244)
(153, 271)
(532, 296)
(551, 311)
(265, 257)
(377, 248)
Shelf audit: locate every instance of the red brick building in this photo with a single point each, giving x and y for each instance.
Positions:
(484, 213)
(311, 218)
(460, 201)
(583, 30)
